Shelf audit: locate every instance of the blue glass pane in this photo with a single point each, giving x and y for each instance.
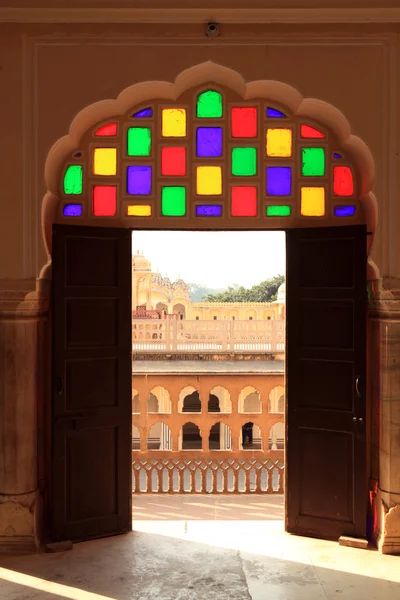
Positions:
(72, 210)
(209, 210)
(345, 211)
(279, 181)
(336, 155)
(209, 141)
(139, 180)
(275, 114)
(145, 112)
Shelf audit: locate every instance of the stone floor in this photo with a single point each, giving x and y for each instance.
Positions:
(178, 555)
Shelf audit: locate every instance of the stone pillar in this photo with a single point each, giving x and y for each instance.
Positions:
(385, 406)
(24, 378)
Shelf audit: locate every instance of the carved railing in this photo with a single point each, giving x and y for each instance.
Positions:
(150, 335)
(208, 451)
(208, 474)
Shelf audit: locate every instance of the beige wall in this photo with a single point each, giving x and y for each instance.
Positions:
(62, 68)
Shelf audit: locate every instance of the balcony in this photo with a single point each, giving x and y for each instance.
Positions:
(151, 336)
(208, 426)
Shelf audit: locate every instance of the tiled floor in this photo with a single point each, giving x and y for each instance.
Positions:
(177, 555)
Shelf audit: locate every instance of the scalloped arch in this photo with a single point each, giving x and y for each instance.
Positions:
(275, 91)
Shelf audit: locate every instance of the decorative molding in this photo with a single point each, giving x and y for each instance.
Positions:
(184, 15)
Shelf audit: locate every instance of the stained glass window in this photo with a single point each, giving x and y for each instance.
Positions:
(214, 156)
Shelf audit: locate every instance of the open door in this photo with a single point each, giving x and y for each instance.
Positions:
(325, 369)
(91, 382)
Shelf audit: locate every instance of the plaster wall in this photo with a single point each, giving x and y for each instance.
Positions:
(49, 72)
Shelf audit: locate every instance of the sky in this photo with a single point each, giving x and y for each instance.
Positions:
(214, 259)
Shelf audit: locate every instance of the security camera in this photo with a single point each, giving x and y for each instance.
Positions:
(212, 30)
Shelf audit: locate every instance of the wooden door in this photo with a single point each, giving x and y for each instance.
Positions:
(92, 371)
(325, 370)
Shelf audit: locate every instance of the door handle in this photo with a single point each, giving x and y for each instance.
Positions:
(358, 394)
(60, 385)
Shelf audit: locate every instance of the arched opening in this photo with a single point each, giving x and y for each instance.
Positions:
(213, 404)
(191, 438)
(276, 400)
(179, 310)
(189, 400)
(159, 437)
(161, 306)
(249, 400)
(160, 400)
(224, 398)
(135, 402)
(250, 436)
(276, 439)
(152, 404)
(306, 127)
(220, 437)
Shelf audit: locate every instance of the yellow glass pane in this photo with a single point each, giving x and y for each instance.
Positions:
(312, 201)
(142, 210)
(209, 181)
(174, 122)
(105, 161)
(279, 142)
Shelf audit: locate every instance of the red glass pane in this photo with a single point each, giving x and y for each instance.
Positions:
(104, 200)
(244, 122)
(310, 132)
(343, 184)
(173, 161)
(107, 130)
(244, 201)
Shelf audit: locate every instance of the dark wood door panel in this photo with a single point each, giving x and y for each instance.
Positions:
(92, 380)
(325, 367)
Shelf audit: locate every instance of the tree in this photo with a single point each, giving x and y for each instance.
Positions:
(266, 291)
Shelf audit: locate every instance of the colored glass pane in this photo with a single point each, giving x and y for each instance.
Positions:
(173, 201)
(311, 132)
(77, 155)
(72, 210)
(139, 141)
(312, 201)
(282, 210)
(209, 141)
(209, 105)
(139, 180)
(142, 114)
(279, 181)
(173, 161)
(105, 161)
(73, 180)
(173, 122)
(244, 161)
(244, 122)
(345, 211)
(208, 210)
(273, 113)
(107, 130)
(244, 201)
(343, 184)
(279, 142)
(104, 200)
(139, 210)
(336, 155)
(209, 181)
(313, 162)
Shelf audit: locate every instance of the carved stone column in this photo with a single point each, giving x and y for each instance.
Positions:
(385, 407)
(24, 377)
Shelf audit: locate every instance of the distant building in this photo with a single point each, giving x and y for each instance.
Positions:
(156, 293)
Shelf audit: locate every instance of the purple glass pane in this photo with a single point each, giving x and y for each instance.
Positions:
(209, 141)
(336, 155)
(279, 181)
(209, 210)
(275, 114)
(345, 211)
(146, 112)
(139, 180)
(72, 210)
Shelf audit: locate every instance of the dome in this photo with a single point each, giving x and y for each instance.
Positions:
(179, 283)
(140, 263)
(281, 295)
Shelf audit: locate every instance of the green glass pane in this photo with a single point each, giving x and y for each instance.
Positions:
(209, 105)
(139, 141)
(279, 211)
(313, 162)
(73, 180)
(244, 161)
(173, 201)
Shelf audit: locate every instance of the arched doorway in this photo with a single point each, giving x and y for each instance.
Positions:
(264, 158)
